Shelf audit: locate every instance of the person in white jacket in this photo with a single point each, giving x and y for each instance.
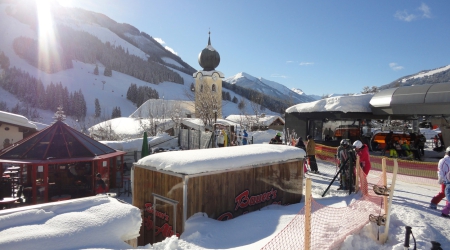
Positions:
(444, 178)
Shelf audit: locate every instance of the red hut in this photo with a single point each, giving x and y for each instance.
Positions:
(58, 163)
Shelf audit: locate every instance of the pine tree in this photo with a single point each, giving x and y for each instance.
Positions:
(107, 72)
(96, 70)
(98, 110)
(116, 113)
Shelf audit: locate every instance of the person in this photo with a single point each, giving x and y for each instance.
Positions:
(276, 139)
(406, 149)
(245, 138)
(221, 139)
(438, 198)
(311, 154)
(398, 148)
(421, 144)
(362, 150)
(300, 144)
(345, 157)
(239, 138)
(100, 186)
(388, 141)
(444, 178)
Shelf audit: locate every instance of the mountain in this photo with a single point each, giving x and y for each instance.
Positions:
(269, 88)
(432, 76)
(86, 54)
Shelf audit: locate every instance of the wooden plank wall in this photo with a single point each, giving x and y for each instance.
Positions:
(230, 194)
(221, 196)
(147, 182)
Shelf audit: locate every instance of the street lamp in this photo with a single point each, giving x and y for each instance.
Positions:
(215, 121)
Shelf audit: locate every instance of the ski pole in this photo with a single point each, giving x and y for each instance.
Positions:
(407, 234)
(331, 183)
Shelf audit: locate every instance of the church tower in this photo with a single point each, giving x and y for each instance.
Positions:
(208, 85)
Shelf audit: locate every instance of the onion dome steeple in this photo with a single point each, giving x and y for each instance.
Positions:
(209, 58)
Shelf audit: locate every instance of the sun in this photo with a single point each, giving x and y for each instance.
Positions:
(47, 54)
(45, 19)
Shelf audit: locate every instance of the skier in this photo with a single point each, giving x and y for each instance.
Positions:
(311, 154)
(444, 178)
(301, 144)
(364, 157)
(276, 139)
(245, 138)
(221, 139)
(346, 157)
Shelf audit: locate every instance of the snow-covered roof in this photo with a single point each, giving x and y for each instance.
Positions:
(40, 126)
(218, 159)
(245, 119)
(93, 222)
(197, 123)
(354, 103)
(208, 73)
(128, 126)
(160, 106)
(161, 140)
(15, 119)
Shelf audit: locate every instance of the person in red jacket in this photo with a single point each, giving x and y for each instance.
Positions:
(364, 158)
(100, 185)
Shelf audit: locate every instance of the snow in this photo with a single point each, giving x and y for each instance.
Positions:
(15, 119)
(106, 35)
(94, 222)
(218, 159)
(171, 61)
(250, 231)
(354, 103)
(265, 120)
(427, 73)
(162, 140)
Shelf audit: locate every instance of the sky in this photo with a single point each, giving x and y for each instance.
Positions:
(321, 47)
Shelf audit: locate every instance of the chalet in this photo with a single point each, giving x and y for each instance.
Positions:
(14, 128)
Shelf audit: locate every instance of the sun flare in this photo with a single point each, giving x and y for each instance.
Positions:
(46, 35)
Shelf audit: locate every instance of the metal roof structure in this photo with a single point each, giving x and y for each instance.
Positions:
(58, 141)
(428, 99)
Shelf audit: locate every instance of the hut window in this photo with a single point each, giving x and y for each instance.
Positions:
(213, 89)
(201, 88)
(6, 128)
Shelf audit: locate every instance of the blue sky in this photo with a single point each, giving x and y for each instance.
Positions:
(321, 47)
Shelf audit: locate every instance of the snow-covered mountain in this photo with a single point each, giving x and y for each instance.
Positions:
(432, 76)
(146, 60)
(269, 88)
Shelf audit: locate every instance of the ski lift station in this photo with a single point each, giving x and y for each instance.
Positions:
(350, 117)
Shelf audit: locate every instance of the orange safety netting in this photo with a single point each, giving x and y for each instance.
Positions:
(329, 225)
(410, 171)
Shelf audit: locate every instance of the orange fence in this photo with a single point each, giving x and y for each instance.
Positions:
(329, 225)
(409, 170)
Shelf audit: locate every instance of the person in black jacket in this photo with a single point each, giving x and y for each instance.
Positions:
(276, 139)
(300, 144)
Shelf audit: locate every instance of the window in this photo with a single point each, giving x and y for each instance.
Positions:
(213, 88)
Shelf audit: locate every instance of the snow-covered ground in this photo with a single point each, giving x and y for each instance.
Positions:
(256, 229)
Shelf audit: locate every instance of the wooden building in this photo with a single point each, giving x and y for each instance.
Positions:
(60, 163)
(222, 183)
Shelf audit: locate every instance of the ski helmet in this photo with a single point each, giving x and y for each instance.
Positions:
(279, 134)
(344, 142)
(357, 144)
(447, 150)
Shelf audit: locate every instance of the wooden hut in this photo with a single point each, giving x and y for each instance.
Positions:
(60, 163)
(222, 183)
